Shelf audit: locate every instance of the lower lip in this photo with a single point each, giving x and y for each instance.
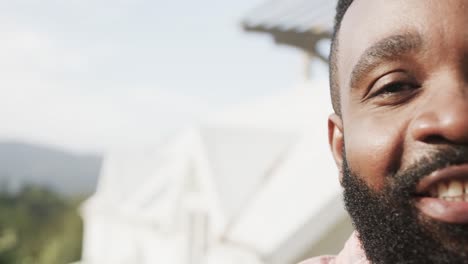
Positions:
(444, 211)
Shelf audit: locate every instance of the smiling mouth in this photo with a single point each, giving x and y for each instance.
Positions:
(443, 195)
(450, 190)
(449, 183)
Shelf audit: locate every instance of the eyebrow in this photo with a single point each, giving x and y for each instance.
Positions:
(387, 49)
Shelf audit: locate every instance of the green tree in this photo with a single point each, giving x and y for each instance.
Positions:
(38, 226)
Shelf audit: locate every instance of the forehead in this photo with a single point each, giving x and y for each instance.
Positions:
(367, 21)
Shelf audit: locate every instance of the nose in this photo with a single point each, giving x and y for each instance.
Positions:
(443, 119)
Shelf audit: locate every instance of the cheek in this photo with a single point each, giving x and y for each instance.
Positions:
(373, 148)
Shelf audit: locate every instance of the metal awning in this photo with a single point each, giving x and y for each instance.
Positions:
(299, 23)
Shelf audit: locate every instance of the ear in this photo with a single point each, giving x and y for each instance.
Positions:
(336, 140)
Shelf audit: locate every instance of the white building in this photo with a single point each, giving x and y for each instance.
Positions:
(254, 185)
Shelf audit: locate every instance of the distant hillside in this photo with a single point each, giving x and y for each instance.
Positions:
(64, 172)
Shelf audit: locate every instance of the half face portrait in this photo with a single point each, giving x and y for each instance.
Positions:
(399, 85)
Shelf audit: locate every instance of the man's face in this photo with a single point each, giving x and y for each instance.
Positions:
(403, 78)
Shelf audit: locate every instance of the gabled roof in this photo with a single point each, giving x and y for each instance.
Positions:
(299, 23)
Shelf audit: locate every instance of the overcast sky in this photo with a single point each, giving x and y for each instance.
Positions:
(89, 75)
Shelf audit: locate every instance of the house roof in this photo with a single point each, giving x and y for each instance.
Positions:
(299, 23)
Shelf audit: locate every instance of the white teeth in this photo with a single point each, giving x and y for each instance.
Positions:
(442, 190)
(456, 191)
(455, 188)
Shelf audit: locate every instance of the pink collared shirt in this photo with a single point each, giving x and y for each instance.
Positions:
(352, 253)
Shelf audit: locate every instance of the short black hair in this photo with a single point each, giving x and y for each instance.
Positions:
(341, 9)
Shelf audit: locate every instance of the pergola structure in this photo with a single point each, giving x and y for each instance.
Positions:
(301, 24)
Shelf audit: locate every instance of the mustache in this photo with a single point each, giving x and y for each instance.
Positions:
(440, 158)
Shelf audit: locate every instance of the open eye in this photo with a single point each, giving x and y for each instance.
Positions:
(395, 88)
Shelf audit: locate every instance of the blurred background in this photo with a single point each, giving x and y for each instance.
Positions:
(182, 132)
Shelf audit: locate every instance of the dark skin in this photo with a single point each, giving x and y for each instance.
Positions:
(403, 79)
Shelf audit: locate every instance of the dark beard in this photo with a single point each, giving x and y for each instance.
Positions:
(389, 226)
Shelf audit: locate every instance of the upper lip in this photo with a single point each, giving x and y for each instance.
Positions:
(454, 172)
